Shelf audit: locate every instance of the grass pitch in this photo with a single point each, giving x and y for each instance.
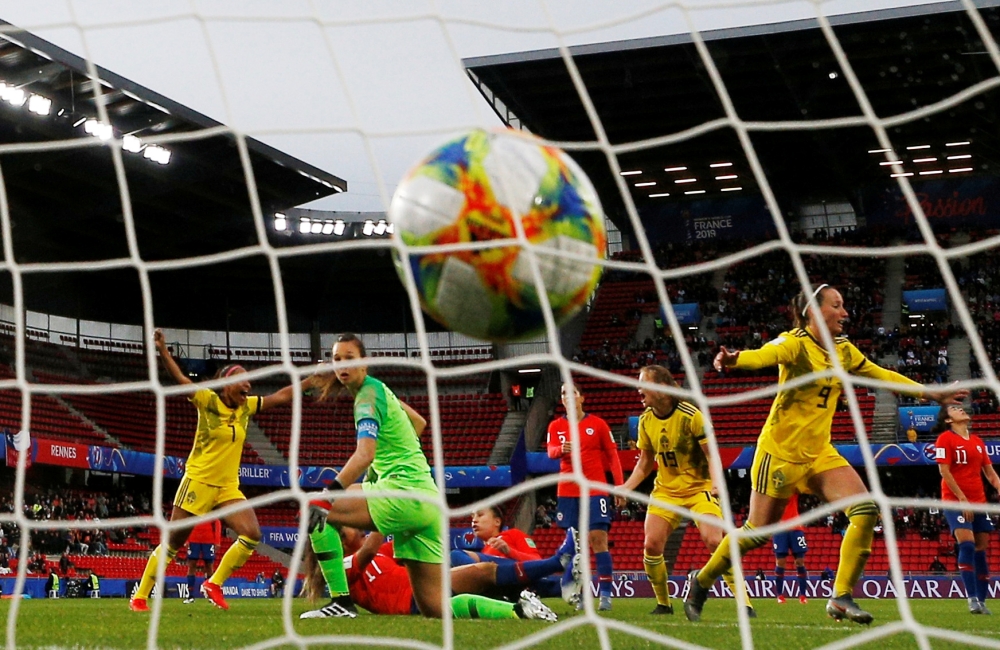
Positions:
(108, 623)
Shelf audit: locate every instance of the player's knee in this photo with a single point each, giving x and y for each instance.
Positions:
(598, 541)
(712, 537)
(863, 515)
(653, 547)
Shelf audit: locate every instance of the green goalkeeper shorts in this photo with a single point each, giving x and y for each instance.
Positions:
(415, 526)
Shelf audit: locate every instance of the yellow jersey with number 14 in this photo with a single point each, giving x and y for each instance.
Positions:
(218, 441)
(676, 441)
(798, 427)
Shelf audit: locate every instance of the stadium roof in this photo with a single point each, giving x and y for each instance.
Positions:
(904, 58)
(66, 206)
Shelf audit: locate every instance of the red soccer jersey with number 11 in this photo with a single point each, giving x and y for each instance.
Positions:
(966, 458)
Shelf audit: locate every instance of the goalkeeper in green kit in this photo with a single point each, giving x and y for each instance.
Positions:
(388, 434)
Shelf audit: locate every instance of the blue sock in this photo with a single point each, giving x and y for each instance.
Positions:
(522, 573)
(966, 566)
(461, 558)
(982, 576)
(604, 573)
(190, 581)
(803, 577)
(548, 588)
(779, 579)
(495, 559)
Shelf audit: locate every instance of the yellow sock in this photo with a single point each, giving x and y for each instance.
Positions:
(656, 570)
(856, 547)
(149, 573)
(720, 562)
(235, 557)
(742, 594)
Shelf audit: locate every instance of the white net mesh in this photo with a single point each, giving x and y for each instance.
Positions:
(387, 123)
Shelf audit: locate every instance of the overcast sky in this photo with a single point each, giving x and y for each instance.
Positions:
(320, 79)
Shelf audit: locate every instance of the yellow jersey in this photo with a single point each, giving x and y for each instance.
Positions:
(218, 441)
(798, 427)
(676, 441)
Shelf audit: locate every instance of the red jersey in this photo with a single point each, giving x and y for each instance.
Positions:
(792, 511)
(522, 547)
(966, 458)
(598, 453)
(382, 588)
(207, 532)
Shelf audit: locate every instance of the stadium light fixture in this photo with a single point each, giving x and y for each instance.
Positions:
(923, 160)
(338, 227)
(328, 228)
(879, 150)
(695, 192)
(647, 184)
(957, 144)
(13, 95)
(724, 164)
(731, 189)
(918, 146)
(685, 180)
(391, 228)
(39, 105)
(891, 162)
(834, 74)
(674, 169)
(280, 223)
(960, 157)
(131, 144)
(727, 177)
(658, 195)
(380, 227)
(368, 228)
(900, 175)
(959, 170)
(934, 171)
(316, 227)
(157, 153)
(630, 173)
(304, 225)
(79, 122)
(529, 371)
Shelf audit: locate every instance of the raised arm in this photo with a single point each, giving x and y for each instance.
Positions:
(168, 361)
(942, 395)
(283, 396)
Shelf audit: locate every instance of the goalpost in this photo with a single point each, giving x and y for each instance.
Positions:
(444, 30)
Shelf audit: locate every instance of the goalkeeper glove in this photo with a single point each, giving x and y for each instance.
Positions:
(319, 509)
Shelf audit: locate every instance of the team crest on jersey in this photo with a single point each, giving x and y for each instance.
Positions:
(590, 431)
(664, 442)
(191, 497)
(778, 478)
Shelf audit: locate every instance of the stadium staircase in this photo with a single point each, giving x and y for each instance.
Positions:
(510, 431)
(109, 439)
(261, 444)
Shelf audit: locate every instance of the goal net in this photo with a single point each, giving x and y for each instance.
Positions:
(703, 167)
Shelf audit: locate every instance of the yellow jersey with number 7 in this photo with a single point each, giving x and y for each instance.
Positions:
(218, 441)
(798, 427)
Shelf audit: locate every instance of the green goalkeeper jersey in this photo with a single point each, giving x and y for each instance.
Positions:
(398, 454)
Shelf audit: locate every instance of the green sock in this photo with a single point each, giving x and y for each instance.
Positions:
(330, 555)
(473, 606)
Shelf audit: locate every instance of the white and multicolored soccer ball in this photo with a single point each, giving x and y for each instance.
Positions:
(475, 189)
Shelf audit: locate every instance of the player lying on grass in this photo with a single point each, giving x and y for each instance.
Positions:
(672, 441)
(508, 545)
(963, 461)
(381, 585)
(794, 452)
(212, 474)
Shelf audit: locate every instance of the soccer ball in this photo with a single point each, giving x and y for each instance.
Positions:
(475, 189)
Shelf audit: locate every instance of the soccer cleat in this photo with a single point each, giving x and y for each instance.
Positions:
(569, 549)
(214, 593)
(803, 600)
(138, 605)
(605, 605)
(188, 601)
(341, 607)
(983, 610)
(529, 606)
(695, 601)
(751, 612)
(571, 583)
(845, 607)
(781, 599)
(661, 610)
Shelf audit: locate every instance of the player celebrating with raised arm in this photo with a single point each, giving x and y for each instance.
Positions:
(598, 454)
(212, 474)
(794, 452)
(672, 432)
(791, 542)
(388, 439)
(963, 461)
